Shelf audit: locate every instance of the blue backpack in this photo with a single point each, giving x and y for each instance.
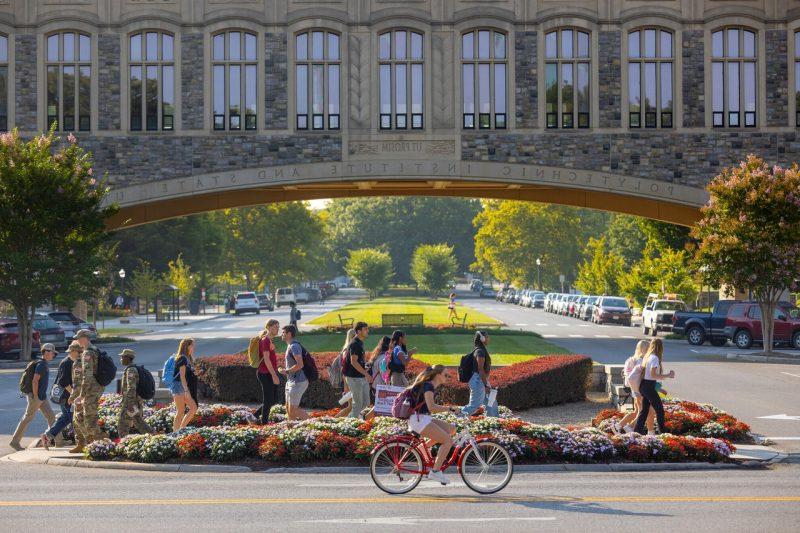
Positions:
(168, 373)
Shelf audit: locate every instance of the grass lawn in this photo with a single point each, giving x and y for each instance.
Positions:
(434, 312)
(109, 332)
(445, 348)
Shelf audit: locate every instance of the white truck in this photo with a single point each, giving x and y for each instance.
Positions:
(658, 312)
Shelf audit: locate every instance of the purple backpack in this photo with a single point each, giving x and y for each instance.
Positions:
(403, 405)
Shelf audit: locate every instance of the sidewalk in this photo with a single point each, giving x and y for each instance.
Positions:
(150, 324)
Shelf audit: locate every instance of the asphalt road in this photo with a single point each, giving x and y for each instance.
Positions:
(38, 497)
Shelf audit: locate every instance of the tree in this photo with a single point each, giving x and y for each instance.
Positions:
(749, 234)
(52, 225)
(146, 284)
(661, 270)
(626, 238)
(433, 267)
(601, 269)
(666, 234)
(512, 235)
(371, 268)
(180, 275)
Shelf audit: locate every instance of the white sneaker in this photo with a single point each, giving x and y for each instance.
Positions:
(651, 432)
(615, 427)
(627, 429)
(437, 475)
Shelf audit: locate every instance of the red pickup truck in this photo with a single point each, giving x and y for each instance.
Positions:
(743, 325)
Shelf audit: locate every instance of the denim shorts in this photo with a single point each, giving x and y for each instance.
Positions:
(295, 391)
(176, 387)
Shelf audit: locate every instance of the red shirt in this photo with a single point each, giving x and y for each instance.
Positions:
(264, 347)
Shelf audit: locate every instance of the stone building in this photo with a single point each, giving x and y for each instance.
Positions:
(191, 105)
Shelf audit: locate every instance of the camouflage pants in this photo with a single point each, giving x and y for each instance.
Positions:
(126, 421)
(87, 417)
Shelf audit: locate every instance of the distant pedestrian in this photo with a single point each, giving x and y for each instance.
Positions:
(183, 377)
(479, 386)
(87, 391)
(294, 314)
(633, 372)
(64, 382)
(296, 381)
(355, 372)
(401, 355)
(267, 372)
(451, 307)
(339, 369)
(120, 302)
(35, 379)
(652, 364)
(132, 411)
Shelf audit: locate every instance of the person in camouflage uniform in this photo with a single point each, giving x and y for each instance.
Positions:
(88, 392)
(132, 412)
(78, 425)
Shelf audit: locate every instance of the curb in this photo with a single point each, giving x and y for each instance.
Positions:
(763, 359)
(148, 467)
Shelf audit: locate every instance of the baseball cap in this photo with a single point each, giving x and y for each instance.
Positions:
(83, 333)
(48, 348)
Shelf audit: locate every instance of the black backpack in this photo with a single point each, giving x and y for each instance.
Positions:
(466, 367)
(297, 314)
(309, 365)
(106, 370)
(26, 381)
(146, 387)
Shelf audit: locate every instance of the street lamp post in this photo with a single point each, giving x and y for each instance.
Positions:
(122, 285)
(538, 277)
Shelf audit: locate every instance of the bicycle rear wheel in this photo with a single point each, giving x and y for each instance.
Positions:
(396, 467)
(491, 474)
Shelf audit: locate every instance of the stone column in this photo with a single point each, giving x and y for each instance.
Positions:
(25, 96)
(609, 79)
(276, 87)
(777, 82)
(108, 99)
(192, 81)
(526, 88)
(694, 82)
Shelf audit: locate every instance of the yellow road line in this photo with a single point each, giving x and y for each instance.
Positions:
(399, 499)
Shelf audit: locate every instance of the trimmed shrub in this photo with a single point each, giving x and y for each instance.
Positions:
(542, 381)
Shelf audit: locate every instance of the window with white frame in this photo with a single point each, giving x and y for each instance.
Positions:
(567, 75)
(69, 80)
(152, 81)
(650, 78)
(733, 78)
(317, 79)
(401, 75)
(484, 62)
(234, 72)
(4, 83)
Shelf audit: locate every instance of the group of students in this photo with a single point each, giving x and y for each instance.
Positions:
(643, 370)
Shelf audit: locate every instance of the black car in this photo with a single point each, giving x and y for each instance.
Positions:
(265, 302)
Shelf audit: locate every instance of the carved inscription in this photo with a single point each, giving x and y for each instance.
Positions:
(402, 147)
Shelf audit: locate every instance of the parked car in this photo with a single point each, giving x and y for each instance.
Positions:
(9, 338)
(313, 295)
(525, 298)
(567, 303)
(537, 301)
(246, 302)
(575, 307)
(548, 301)
(50, 331)
(657, 315)
(265, 302)
(487, 292)
(476, 285)
(587, 308)
(700, 326)
(71, 324)
(290, 294)
(613, 309)
(743, 325)
(499, 295)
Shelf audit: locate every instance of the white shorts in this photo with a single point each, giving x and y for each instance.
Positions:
(418, 423)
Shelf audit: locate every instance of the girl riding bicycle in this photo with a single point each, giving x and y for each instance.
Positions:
(421, 422)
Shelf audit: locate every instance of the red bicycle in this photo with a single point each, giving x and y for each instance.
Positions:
(398, 463)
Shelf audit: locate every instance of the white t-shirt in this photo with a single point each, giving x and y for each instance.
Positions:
(651, 368)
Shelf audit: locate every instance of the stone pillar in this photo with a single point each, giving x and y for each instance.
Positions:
(609, 79)
(276, 87)
(526, 89)
(694, 82)
(777, 82)
(25, 97)
(442, 81)
(108, 99)
(192, 81)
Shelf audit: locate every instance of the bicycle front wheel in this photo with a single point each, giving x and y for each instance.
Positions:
(396, 467)
(486, 469)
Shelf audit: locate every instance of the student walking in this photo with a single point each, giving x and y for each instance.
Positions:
(87, 391)
(132, 411)
(378, 362)
(355, 373)
(339, 369)
(296, 380)
(267, 372)
(479, 388)
(34, 386)
(451, 306)
(181, 385)
(64, 382)
(633, 378)
(294, 314)
(652, 364)
(401, 355)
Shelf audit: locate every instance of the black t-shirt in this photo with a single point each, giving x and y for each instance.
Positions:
(419, 396)
(356, 348)
(487, 363)
(179, 362)
(64, 376)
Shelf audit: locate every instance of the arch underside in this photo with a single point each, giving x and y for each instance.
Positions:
(161, 209)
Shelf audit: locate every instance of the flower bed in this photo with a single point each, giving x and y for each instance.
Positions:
(689, 418)
(344, 439)
(542, 381)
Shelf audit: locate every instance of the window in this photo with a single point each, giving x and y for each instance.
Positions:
(152, 81)
(400, 54)
(484, 61)
(650, 78)
(796, 78)
(69, 75)
(317, 71)
(733, 78)
(567, 65)
(234, 73)
(3, 83)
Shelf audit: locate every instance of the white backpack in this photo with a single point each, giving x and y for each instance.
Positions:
(633, 373)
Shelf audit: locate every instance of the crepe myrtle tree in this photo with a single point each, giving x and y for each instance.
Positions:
(52, 225)
(749, 234)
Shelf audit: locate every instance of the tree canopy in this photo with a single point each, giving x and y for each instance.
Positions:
(433, 267)
(600, 271)
(371, 269)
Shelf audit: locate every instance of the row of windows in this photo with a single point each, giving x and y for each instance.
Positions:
(401, 77)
